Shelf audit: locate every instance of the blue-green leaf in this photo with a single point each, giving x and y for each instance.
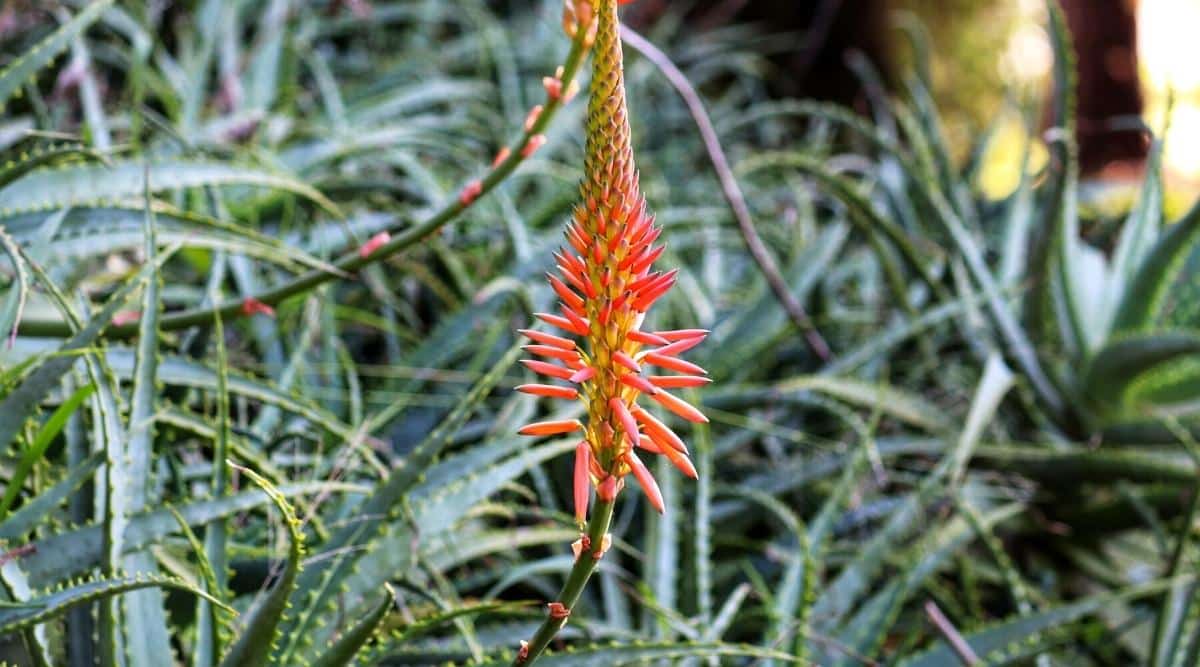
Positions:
(21, 70)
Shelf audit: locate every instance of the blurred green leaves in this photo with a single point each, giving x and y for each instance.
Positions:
(1005, 427)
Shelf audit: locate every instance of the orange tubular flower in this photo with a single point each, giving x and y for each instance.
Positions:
(607, 285)
(600, 355)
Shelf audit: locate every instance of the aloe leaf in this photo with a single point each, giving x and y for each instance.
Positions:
(260, 628)
(190, 83)
(922, 126)
(853, 581)
(21, 70)
(757, 328)
(109, 433)
(405, 633)
(74, 551)
(995, 640)
(886, 340)
(46, 156)
(97, 230)
(20, 402)
(1018, 221)
(838, 597)
(1188, 652)
(1137, 464)
(266, 59)
(285, 377)
(727, 613)
(319, 583)
(1060, 267)
(331, 96)
(862, 213)
(1063, 184)
(1170, 625)
(833, 113)
(1169, 390)
(433, 510)
(528, 571)
(1147, 291)
(202, 563)
(796, 592)
(34, 452)
(266, 330)
(424, 624)
(343, 651)
(897, 403)
(241, 450)
(90, 98)
(16, 369)
(1140, 230)
(791, 593)
(996, 381)
(867, 629)
(18, 291)
(147, 637)
(1016, 338)
(1090, 296)
(14, 586)
(408, 99)
(662, 558)
(34, 511)
(80, 623)
(87, 184)
(42, 608)
(1124, 362)
(436, 509)
(176, 370)
(607, 656)
(451, 549)
(208, 642)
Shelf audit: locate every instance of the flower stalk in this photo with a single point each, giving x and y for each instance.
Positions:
(586, 562)
(606, 284)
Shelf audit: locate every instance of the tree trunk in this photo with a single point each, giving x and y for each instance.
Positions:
(1111, 146)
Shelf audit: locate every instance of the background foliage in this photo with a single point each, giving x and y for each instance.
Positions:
(997, 464)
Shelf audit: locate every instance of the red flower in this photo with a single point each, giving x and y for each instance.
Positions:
(605, 284)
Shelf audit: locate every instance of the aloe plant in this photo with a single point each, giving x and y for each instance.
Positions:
(260, 391)
(1095, 333)
(68, 201)
(1126, 354)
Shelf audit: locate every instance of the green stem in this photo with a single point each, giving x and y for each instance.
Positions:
(351, 261)
(585, 565)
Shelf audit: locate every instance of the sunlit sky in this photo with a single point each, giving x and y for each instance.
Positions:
(1169, 51)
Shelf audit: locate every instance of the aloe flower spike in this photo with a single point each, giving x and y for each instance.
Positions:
(606, 284)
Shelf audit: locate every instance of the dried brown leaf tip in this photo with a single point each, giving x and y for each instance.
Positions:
(606, 283)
